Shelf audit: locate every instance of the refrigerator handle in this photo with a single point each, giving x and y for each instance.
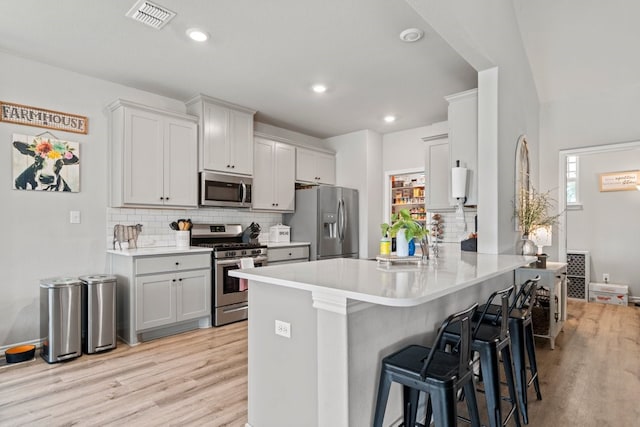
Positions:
(344, 220)
(341, 220)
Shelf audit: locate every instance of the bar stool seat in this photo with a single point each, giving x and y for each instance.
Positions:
(522, 341)
(492, 341)
(428, 369)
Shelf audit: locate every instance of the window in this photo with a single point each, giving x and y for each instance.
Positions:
(572, 181)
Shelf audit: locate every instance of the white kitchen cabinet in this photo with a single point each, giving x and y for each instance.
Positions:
(225, 143)
(161, 295)
(463, 138)
(315, 166)
(551, 301)
(437, 171)
(273, 176)
(153, 157)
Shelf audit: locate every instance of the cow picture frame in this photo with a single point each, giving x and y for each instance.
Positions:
(43, 163)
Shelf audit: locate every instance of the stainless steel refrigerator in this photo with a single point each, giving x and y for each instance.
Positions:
(327, 217)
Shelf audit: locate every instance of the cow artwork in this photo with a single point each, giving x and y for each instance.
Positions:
(45, 164)
(126, 233)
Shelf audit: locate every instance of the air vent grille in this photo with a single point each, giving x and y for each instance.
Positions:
(150, 14)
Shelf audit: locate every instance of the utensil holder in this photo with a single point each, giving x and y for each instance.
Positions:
(182, 238)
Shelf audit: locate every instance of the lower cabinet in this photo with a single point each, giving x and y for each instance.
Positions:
(161, 295)
(163, 299)
(288, 254)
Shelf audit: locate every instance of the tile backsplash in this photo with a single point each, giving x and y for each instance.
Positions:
(456, 228)
(155, 222)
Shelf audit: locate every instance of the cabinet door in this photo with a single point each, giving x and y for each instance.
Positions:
(180, 163)
(214, 139)
(262, 191)
(305, 165)
(240, 143)
(437, 171)
(193, 294)
(326, 168)
(463, 138)
(285, 176)
(143, 154)
(155, 301)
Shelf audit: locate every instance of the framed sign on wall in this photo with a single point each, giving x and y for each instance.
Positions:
(619, 181)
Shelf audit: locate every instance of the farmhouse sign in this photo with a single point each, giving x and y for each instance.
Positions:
(39, 117)
(619, 181)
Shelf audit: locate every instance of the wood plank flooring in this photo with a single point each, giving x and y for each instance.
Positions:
(592, 378)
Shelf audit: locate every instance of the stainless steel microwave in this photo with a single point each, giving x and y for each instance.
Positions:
(217, 189)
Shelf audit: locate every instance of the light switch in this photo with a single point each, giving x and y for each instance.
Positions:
(74, 217)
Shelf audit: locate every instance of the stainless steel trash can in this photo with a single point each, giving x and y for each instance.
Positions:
(60, 316)
(98, 313)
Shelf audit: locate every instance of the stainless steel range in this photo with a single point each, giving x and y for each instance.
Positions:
(229, 296)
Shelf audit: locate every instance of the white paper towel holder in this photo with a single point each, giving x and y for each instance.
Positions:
(459, 193)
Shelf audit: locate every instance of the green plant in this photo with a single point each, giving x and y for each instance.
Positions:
(532, 209)
(403, 220)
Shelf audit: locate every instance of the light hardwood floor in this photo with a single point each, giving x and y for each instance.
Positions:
(592, 378)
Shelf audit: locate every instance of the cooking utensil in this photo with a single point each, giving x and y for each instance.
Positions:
(174, 226)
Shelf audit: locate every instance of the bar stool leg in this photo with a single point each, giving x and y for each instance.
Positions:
(491, 379)
(516, 330)
(410, 397)
(383, 396)
(508, 371)
(531, 350)
(443, 402)
(472, 404)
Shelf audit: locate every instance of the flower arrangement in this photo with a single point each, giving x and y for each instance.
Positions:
(45, 149)
(532, 209)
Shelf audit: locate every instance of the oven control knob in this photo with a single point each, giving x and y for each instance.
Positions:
(243, 252)
(230, 254)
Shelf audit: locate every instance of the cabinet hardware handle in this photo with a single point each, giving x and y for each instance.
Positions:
(177, 263)
(180, 279)
(161, 198)
(228, 166)
(233, 166)
(173, 280)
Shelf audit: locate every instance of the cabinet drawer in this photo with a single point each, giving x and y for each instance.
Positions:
(152, 265)
(291, 253)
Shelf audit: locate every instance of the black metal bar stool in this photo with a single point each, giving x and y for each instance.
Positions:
(522, 341)
(492, 341)
(436, 372)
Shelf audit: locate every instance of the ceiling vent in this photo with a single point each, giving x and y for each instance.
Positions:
(150, 14)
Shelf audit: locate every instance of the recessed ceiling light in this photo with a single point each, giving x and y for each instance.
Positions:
(389, 119)
(318, 88)
(197, 34)
(411, 35)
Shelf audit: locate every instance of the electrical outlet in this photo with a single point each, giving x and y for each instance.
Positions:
(74, 217)
(605, 277)
(283, 329)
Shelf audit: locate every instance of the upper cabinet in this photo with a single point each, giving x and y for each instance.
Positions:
(225, 143)
(463, 138)
(438, 175)
(153, 157)
(315, 166)
(274, 176)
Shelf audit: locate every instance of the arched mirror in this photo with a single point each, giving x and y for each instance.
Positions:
(522, 173)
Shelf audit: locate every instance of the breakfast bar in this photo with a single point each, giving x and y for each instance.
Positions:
(318, 330)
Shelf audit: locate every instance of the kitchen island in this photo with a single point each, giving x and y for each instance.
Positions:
(342, 316)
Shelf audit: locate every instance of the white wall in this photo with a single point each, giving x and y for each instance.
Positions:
(405, 149)
(464, 25)
(358, 165)
(607, 226)
(592, 121)
(38, 240)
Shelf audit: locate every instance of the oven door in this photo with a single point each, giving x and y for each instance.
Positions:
(224, 190)
(228, 289)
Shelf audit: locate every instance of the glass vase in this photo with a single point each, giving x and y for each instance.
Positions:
(402, 246)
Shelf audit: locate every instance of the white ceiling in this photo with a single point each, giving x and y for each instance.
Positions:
(262, 54)
(579, 48)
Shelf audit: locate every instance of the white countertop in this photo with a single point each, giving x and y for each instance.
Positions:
(399, 285)
(287, 244)
(159, 250)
